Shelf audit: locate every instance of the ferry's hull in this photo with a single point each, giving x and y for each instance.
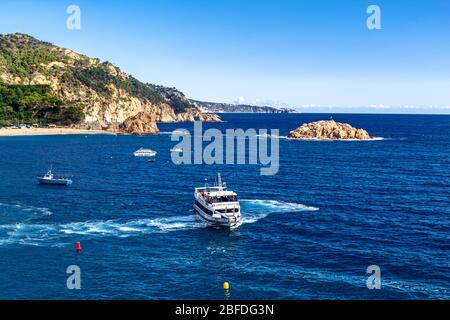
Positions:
(206, 215)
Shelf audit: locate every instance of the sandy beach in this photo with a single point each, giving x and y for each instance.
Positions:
(7, 132)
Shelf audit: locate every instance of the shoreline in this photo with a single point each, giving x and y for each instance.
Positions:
(7, 132)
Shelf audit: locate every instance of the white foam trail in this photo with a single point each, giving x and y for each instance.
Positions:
(170, 223)
(411, 287)
(54, 235)
(25, 208)
(252, 219)
(138, 226)
(27, 234)
(254, 210)
(277, 206)
(36, 234)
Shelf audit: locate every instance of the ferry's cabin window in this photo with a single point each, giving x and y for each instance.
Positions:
(224, 199)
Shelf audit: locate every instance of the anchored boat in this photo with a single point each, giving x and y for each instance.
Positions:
(217, 205)
(49, 178)
(144, 153)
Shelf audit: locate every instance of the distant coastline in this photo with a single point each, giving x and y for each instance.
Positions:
(218, 107)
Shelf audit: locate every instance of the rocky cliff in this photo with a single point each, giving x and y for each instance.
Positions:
(104, 95)
(329, 130)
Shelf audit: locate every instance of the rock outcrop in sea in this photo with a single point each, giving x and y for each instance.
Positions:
(142, 123)
(329, 130)
(209, 117)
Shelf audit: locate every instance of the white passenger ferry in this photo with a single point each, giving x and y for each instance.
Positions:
(217, 205)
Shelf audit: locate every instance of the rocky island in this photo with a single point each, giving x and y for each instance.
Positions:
(329, 130)
(42, 84)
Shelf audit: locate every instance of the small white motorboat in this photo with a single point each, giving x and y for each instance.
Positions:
(145, 153)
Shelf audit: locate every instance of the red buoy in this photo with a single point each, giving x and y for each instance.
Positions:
(78, 246)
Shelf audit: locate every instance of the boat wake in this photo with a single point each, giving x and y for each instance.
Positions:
(253, 210)
(22, 207)
(275, 206)
(56, 234)
(26, 233)
(256, 209)
(132, 227)
(19, 212)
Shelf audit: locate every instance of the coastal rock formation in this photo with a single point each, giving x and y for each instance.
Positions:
(209, 117)
(90, 93)
(329, 130)
(142, 123)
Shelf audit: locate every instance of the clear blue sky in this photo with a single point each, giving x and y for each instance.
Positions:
(298, 52)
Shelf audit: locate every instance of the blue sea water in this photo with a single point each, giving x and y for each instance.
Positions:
(309, 232)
